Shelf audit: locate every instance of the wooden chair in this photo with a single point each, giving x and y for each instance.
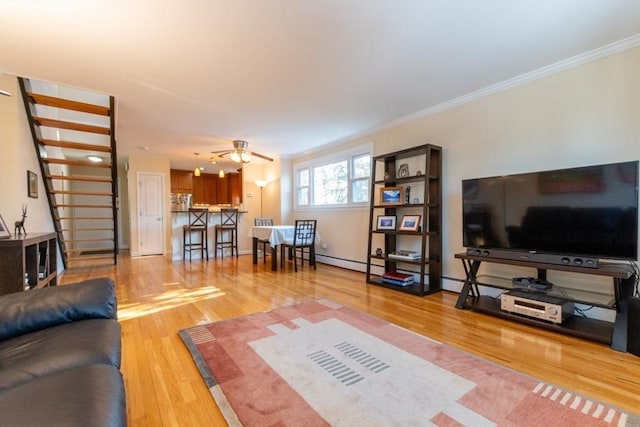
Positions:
(228, 226)
(198, 223)
(304, 237)
(263, 222)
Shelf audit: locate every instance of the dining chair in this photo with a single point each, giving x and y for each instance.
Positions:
(198, 223)
(304, 237)
(263, 222)
(228, 227)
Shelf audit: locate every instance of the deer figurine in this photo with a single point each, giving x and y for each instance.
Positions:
(19, 225)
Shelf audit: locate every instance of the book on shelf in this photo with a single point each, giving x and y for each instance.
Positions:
(397, 282)
(402, 254)
(396, 275)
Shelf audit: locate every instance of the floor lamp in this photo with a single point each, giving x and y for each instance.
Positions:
(261, 184)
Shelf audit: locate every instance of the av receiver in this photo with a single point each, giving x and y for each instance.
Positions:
(537, 305)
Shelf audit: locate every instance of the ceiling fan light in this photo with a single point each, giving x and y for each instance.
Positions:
(235, 156)
(245, 156)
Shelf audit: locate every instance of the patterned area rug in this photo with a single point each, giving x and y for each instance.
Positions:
(320, 363)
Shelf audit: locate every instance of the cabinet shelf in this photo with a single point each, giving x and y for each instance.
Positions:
(425, 186)
(24, 259)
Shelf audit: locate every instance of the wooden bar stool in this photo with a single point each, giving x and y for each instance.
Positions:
(228, 227)
(198, 222)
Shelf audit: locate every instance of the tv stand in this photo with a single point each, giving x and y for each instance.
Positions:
(612, 333)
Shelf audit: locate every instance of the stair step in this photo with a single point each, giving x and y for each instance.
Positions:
(81, 178)
(67, 104)
(87, 240)
(103, 249)
(61, 124)
(83, 193)
(103, 218)
(78, 230)
(79, 258)
(75, 145)
(76, 163)
(82, 206)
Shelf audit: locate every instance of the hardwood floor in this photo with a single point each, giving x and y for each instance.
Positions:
(157, 298)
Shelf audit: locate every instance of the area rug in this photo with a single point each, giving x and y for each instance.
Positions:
(324, 364)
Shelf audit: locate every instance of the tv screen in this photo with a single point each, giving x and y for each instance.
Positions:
(585, 211)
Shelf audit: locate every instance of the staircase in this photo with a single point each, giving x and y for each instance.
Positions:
(68, 126)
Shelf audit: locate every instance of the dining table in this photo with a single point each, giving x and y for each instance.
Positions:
(275, 235)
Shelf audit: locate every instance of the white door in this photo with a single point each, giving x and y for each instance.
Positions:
(150, 213)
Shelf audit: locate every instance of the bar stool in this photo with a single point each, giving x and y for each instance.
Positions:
(263, 222)
(198, 221)
(228, 226)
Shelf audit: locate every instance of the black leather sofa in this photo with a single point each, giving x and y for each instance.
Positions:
(60, 351)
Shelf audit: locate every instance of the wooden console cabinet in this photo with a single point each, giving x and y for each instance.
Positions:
(28, 262)
(613, 333)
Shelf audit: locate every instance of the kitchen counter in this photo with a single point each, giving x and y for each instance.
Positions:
(180, 217)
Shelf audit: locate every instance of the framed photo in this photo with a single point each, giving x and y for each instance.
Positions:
(4, 231)
(386, 222)
(410, 223)
(392, 196)
(32, 184)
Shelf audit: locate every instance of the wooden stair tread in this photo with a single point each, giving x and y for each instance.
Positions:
(67, 205)
(67, 104)
(91, 256)
(77, 163)
(61, 124)
(75, 251)
(89, 240)
(83, 193)
(87, 217)
(78, 230)
(81, 178)
(75, 145)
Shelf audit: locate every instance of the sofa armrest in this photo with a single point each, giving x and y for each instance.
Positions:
(36, 309)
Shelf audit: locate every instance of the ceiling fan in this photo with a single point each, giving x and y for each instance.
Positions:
(240, 153)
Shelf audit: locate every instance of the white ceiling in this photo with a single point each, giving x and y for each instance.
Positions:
(290, 76)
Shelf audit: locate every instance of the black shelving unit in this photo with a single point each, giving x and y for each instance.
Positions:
(423, 174)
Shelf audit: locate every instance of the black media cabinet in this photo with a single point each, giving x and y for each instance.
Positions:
(605, 332)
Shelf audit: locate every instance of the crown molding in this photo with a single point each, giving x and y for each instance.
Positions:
(566, 64)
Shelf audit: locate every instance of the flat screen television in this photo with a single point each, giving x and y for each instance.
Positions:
(587, 211)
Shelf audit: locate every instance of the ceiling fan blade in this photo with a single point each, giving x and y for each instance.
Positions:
(222, 153)
(253, 153)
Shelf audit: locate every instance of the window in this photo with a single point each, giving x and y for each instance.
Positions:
(340, 180)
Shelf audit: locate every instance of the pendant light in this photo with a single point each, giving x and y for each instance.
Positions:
(221, 173)
(196, 171)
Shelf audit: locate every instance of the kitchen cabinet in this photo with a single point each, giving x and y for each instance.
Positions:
(181, 181)
(210, 189)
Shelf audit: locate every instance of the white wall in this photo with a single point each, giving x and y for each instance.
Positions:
(18, 156)
(585, 115)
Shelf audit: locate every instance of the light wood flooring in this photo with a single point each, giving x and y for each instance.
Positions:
(158, 297)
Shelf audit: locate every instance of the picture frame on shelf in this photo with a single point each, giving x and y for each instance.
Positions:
(4, 231)
(386, 222)
(403, 171)
(391, 195)
(32, 184)
(410, 223)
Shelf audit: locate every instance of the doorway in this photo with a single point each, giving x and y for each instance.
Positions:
(150, 213)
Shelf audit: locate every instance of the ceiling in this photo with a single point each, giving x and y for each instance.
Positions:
(290, 76)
